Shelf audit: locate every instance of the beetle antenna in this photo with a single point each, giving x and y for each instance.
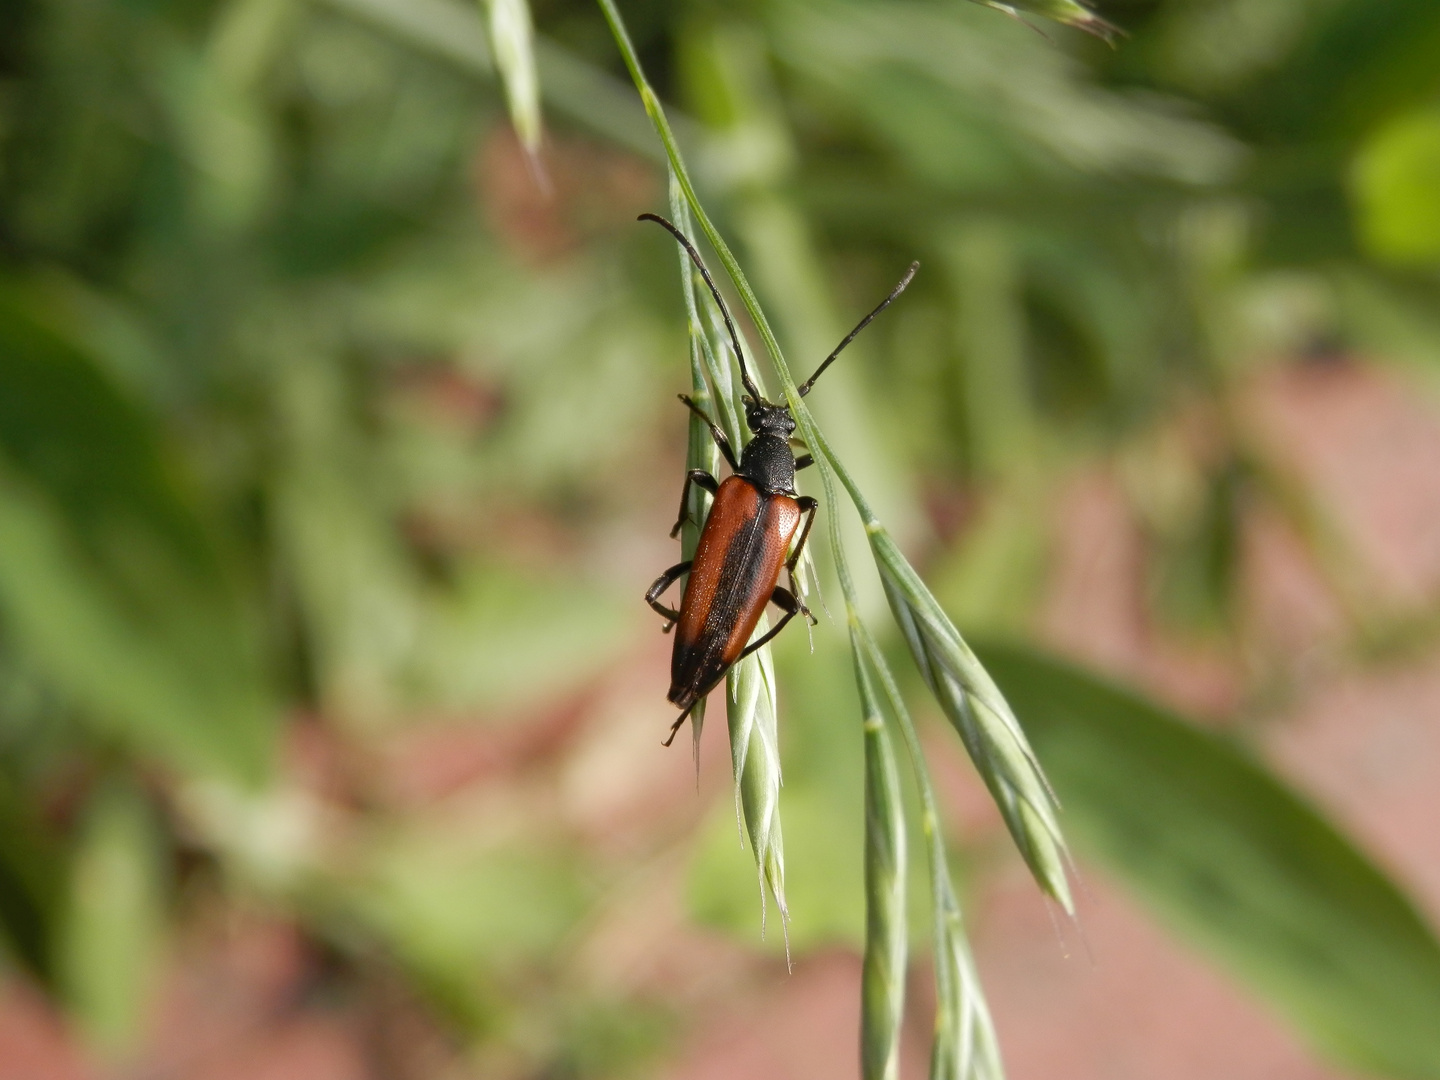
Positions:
(729, 323)
(804, 388)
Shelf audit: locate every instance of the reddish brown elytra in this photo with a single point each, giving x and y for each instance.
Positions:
(743, 546)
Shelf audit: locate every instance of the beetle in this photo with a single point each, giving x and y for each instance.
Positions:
(743, 546)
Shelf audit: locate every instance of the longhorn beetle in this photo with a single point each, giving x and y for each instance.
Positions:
(736, 568)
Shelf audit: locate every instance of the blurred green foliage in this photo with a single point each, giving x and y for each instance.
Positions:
(114, 919)
(1226, 854)
(312, 406)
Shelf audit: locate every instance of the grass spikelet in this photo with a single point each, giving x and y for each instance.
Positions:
(512, 37)
(1067, 12)
(974, 705)
(750, 685)
(755, 757)
(882, 984)
(965, 1047)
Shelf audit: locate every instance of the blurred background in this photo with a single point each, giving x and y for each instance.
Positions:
(338, 443)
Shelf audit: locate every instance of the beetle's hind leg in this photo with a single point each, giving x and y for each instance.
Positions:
(675, 727)
(800, 604)
(663, 582)
(700, 478)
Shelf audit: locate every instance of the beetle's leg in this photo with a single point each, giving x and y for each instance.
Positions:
(804, 461)
(784, 599)
(721, 440)
(675, 727)
(809, 506)
(663, 582)
(700, 478)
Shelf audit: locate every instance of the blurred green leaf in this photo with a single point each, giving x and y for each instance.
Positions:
(1396, 185)
(1194, 569)
(508, 632)
(30, 885)
(107, 576)
(992, 579)
(469, 917)
(1229, 856)
(824, 881)
(113, 929)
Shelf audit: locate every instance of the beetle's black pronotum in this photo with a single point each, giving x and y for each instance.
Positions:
(735, 571)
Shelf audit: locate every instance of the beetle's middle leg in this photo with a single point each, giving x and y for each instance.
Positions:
(808, 506)
(785, 600)
(663, 582)
(700, 478)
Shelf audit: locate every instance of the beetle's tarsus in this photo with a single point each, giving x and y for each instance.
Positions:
(663, 582)
(675, 727)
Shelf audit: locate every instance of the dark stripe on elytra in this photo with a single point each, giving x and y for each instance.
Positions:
(733, 588)
(725, 610)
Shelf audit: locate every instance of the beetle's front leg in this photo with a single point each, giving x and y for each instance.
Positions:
(663, 582)
(700, 478)
(721, 440)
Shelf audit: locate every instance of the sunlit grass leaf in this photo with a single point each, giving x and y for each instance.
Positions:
(1232, 858)
(113, 930)
(1393, 182)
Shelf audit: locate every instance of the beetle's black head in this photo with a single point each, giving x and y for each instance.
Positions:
(766, 419)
